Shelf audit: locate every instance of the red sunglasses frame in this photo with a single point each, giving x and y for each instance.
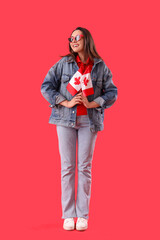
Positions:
(81, 35)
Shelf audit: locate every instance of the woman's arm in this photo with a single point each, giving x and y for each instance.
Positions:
(93, 104)
(50, 85)
(77, 99)
(88, 104)
(107, 99)
(64, 103)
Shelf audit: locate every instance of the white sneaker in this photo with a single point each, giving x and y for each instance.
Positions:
(82, 223)
(69, 224)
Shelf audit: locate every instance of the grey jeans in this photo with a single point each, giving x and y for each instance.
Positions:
(85, 139)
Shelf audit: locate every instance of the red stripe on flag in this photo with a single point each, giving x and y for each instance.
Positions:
(71, 89)
(88, 91)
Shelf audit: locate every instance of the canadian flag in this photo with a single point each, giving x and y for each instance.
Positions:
(81, 80)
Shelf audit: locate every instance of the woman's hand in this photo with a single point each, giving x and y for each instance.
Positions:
(75, 100)
(78, 99)
(85, 101)
(88, 104)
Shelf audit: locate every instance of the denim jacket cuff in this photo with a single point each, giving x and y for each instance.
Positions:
(100, 101)
(58, 98)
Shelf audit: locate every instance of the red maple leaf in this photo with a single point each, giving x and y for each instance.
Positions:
(77, 81)
(85, 81)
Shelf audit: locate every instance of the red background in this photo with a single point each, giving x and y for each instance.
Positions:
(125, 172)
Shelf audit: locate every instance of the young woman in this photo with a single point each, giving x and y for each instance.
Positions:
(79, 88)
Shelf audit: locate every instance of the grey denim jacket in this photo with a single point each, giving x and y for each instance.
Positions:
(54, 91)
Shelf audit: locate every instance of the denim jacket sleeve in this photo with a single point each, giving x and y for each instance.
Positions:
(50, 85)
(107, 99)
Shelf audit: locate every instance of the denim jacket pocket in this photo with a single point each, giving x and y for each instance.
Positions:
(58, 111)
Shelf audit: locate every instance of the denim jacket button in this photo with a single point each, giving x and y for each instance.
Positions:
(73, 111)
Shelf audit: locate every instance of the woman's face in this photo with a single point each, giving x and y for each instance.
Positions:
(80, 43)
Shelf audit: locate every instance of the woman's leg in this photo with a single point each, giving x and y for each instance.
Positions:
(86, 144)
(67, 148)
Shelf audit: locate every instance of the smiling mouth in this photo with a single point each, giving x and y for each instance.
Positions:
(75, 46)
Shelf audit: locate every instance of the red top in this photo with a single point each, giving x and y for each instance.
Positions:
(81, 109)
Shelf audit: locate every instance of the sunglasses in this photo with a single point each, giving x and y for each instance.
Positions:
(77, 38)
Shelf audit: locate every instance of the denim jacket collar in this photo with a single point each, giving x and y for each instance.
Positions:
(96, 60)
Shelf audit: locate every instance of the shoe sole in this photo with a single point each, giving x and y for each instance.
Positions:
(69, 228)
(81, 229)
